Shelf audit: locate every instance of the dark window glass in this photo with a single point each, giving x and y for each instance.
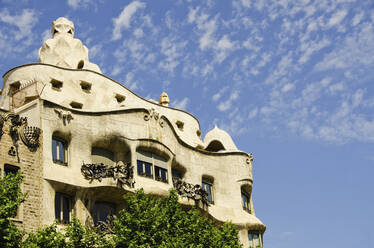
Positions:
(58, 206)
(161, 174)
(208, 186)
(246, 201)
(254, 239)
(62, 207)
(140, 167)
(102, 210)
(59, 151)
(54, 149)
(144, 168)
(148, 169)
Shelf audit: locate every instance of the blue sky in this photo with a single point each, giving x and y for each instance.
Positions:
(291, 81)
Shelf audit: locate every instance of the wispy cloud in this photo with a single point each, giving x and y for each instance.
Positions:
(227, 104)
(180, 104)
(75, 4)
(123, 21)
(24, 21)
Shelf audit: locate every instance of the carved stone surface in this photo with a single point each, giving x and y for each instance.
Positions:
(191, 191)
(18, 129)
(64, 50)
(65, 115)
(124, 174)
(12, 151)
(152, 113)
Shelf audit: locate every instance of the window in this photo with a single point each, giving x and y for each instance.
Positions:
(59, 151)
(180, 125)
(120, 98)
(161, 174)
(246, 201)
(63, 206)
(144, 168)
(10, 169)
(56, 84)
(102, 210)
(152, 166)
(207, 185)
(101, 155)
(254, 239)
(15, 86)
(76, 105)
(86, 86)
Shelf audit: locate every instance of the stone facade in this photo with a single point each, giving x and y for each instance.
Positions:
(99, 140)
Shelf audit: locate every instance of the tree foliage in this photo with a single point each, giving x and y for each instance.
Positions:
(150, 221)
(147, 221)
(10, 199)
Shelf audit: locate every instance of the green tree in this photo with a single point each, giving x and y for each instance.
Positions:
(149, 221)
(10, 199)
(47, 237)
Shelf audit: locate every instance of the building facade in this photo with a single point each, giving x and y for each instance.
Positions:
(83, 140)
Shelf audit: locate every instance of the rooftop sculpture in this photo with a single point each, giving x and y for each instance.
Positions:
(64, 50)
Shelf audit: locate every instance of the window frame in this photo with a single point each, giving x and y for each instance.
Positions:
(62, 197)
(56, 149)
(252, 242)
(156, 170)
(208, 183)
(246, 204)
(159, 172)
(144, 165)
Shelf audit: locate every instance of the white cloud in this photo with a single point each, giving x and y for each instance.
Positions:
(25, 21)
(123, 21)
(218, 95)
(337, 18)
(172, 51)
(46, 35)
(312, 47)
(96, 51)
(130, 82)
(207, 39)
(253, 113)
(225, 105)
(138, 33)
(336, 88)
(225, 44)
(192, 14)
(224, 47)
(180, 104)
(288, 87)
(75, 4)
(357, 18)
(116, 70)
(355, 51)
